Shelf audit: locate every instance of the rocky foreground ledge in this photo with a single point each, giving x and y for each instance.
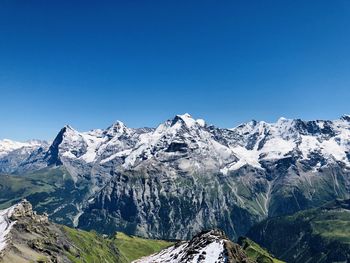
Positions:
(26, 236)
(20, 213)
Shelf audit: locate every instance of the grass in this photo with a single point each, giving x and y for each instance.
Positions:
(132, 248)
(256, 252)
(331, 224)
(91, 247)
(13, 188)
(50, 190)
(335, 225)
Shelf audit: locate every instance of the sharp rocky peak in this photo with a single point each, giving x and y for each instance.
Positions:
(68, 127)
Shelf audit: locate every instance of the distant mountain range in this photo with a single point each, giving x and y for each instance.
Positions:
(182, 177)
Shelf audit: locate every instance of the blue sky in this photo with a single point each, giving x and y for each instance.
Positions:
(90, 63)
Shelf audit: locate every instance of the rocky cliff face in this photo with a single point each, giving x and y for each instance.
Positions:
(208, 246)
(157, 182)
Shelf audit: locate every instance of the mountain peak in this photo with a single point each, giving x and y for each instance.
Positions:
(118, 125)
(185, 118)
(67, 127)
(116, 128)
(188, 120)
(283, 120)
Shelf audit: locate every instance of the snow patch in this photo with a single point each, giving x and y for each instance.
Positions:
(212, 252)
(209, 253)
(93, 143)
(276, 148)
(5, 225)
(200, 122)
(118, 154)
(245, 157)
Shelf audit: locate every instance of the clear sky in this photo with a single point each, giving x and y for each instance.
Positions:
(90, 63)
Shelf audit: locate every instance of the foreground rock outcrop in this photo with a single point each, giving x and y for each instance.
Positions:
(31, 237)
(27, 237)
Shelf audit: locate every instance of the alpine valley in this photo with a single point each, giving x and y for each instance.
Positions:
(180, 178)
(27, 237)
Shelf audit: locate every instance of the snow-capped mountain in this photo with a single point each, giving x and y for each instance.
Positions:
(13, 153)
(260, 141)
(7, 146)
(209, 147)
(157, 182)
(206, 247)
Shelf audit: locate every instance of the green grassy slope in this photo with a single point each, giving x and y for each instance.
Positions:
(132, 247)
(333, 225)
(50, 190)
(315, 235)
(256, 252)
(14, 188)
(93, 247)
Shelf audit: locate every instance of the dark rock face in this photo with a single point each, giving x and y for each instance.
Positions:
(52, 156)
(177, 147)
